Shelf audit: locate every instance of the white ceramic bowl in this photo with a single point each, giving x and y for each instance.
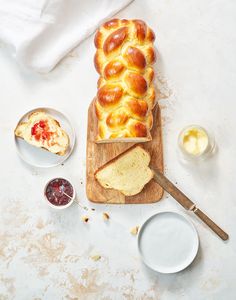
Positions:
(59, 206)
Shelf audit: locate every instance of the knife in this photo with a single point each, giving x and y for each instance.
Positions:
(180, 197)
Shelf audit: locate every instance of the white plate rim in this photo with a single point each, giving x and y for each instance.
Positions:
(194, 231)
(72, 142)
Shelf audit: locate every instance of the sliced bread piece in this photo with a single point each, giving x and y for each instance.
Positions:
(127, 173)
(43, 131)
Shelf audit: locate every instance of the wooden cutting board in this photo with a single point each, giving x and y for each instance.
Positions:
(99, 154)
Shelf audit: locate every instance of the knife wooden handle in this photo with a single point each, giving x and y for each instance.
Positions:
(169, 187)
(223, 235)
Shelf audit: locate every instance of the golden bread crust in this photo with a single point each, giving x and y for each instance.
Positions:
(126, 94)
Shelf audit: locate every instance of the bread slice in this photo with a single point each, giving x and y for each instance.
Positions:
(43, 131)
(127, 173)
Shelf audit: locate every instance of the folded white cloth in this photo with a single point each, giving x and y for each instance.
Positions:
(41, 32)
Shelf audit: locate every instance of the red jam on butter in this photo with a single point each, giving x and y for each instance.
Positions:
(41, 131)
(56, 191)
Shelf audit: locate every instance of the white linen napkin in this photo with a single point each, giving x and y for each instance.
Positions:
(41, 32)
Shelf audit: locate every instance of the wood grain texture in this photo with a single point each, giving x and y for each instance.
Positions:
(220, 232)
(99, 154)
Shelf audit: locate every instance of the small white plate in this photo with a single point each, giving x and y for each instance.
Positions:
(168, 242)
(39, 157)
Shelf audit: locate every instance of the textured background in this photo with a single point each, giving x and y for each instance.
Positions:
(45, 254)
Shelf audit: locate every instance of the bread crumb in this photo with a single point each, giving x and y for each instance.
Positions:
(134, 230)
(105, 216)
(95, 257)
(85, 219)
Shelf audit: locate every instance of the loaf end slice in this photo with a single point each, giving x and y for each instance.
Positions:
(128, 173)
(43, 131)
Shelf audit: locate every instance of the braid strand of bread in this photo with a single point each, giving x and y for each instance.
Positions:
(126, 94)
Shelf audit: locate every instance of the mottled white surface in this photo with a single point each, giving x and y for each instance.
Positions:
(45, 254)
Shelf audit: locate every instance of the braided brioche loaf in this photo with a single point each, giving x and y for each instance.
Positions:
(126, 94)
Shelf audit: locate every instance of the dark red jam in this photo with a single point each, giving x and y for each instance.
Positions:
(40, 131)
(57, 191)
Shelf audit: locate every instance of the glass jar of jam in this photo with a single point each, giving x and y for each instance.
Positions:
(59, 193)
